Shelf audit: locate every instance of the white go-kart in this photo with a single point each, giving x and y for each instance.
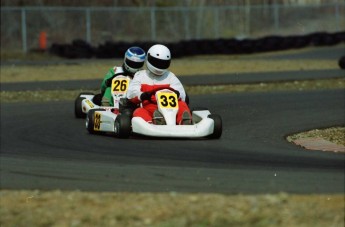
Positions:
(204, 124)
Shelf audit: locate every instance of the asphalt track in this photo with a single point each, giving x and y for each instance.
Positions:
(204, 80)
(44, 147)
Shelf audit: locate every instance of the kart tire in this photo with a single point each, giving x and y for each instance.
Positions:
(78, 108)
(77, 105)
(187, 99)
(198, 109)
(90, 121)
(341, 62)
(218, 127)
(85, 93)
(97, 99)
(123, 126)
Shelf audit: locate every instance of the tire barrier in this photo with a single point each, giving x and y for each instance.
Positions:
(110, 49)
(78, 49)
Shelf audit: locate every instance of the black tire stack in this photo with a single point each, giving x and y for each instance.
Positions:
(110, 49)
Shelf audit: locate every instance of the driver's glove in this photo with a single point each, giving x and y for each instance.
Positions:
(177, 93)
(145, 96)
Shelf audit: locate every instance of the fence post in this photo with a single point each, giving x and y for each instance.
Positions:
(186, 23)
(247, 11)
(337, 17)
(88, 25)
(216, 22)
(153, 23)
(24, 35)
(200, 15)
(276, 16)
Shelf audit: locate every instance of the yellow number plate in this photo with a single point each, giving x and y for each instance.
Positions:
(119, 85)
(168, 100)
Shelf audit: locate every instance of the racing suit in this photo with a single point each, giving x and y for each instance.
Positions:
(145, 81)
(107, 99)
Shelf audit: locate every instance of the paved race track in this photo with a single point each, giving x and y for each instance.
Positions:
(44, 147)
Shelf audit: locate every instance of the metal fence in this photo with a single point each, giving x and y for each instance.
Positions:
(21, 26)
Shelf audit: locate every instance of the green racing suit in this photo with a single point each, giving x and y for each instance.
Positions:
(107, 99)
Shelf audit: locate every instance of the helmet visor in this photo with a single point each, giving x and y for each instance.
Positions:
(158, 63)
(134, 64)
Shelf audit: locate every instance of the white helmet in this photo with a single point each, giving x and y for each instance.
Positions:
(134, 59)
(158, 59)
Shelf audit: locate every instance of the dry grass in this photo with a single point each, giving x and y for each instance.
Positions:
(335, 135)
(188, 66)
(56, 208)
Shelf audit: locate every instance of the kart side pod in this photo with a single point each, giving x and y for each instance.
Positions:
(205, 124)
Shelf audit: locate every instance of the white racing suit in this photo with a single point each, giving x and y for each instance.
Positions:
(145, 81)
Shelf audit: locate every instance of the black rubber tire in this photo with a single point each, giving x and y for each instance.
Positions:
(85, 93)
(97, 99)
(187, 99)
(78, 108)
(341, 62)
(77, 105)
(90, 121)
(198, 108)
(123, 125)
(218, 126)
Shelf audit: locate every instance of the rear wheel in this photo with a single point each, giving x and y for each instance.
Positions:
(123, 126)
(78, 112)
(198, 109)
(341, 62)
(93, 122)
(218, 127)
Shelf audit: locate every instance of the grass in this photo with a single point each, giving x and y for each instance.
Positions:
(57, 208)
(200, 65)
(335, 134)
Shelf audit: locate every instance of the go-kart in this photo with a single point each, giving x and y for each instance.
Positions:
(204, 124)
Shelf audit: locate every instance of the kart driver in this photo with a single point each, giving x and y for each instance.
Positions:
(157, 76)
(133, 62)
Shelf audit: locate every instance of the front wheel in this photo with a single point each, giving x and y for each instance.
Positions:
(218, 126)
(123, 126)
(93, 121)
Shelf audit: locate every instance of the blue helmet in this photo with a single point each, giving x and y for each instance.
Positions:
(134, 59)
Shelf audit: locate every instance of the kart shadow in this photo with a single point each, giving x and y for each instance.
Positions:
(143, 137)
